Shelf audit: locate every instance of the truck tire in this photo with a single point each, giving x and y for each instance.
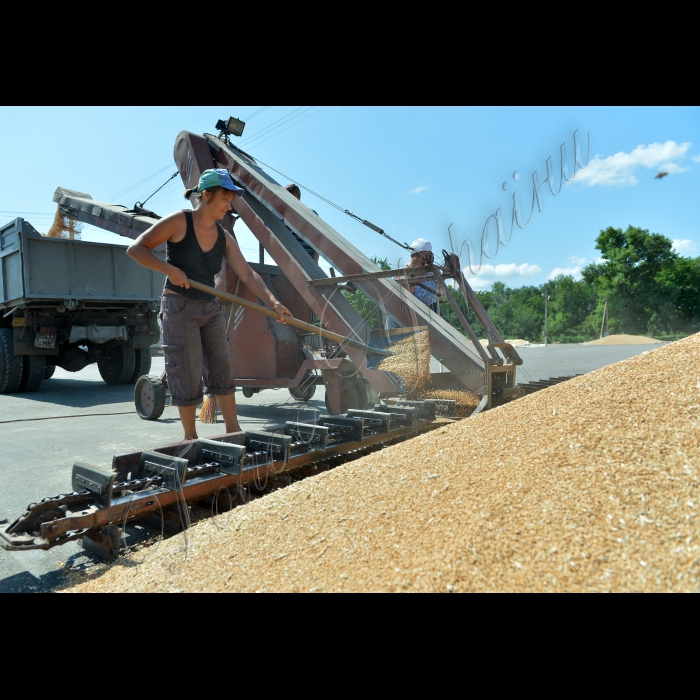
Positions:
(305, 390)
(149, 397)
(117, 366)
(142, 365)
(49, 370)
(11, 365)
(33, 373)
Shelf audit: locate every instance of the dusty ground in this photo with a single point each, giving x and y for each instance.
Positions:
(590, 485)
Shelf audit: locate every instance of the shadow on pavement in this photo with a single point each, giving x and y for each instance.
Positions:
(78, 393)
(25, 582)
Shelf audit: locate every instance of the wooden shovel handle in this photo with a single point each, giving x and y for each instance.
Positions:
(288, 319)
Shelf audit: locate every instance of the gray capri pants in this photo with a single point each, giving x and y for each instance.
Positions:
(195, 349)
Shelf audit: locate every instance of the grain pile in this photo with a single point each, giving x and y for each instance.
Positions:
(411, 363)
(624, 339)
(589, 485)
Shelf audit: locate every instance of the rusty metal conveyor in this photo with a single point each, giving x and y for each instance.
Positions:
(159, 485)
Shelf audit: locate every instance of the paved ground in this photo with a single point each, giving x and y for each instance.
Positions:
(76, 417)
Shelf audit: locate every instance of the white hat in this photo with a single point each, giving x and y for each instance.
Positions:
(420, 245)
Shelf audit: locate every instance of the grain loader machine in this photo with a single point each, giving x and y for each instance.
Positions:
(366, 409)
(282, 357)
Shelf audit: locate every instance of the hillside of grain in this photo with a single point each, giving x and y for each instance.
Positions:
(589, 485)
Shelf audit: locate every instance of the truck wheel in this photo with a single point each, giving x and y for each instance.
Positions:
(11, 365)
(117, 366)
(49, 370)
(142, 365)
(33, 374)
(149, 397)
(305, 390)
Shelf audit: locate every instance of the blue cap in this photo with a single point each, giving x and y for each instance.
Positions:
(217, 178)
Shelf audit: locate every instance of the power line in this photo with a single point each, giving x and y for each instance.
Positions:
(173, 176)
(32, 213)
(257, 141)
(255, 114)
(289, 127)
(369, 224)
(168, 190)
(269, 126)
(140, 182)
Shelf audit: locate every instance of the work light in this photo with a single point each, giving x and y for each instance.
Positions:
(231, 126)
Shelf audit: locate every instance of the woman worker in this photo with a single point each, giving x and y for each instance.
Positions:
(194, 332)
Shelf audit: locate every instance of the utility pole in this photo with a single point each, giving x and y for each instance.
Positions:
(604, 324)
(546, 300)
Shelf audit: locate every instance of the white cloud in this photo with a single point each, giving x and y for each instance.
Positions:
(619, 169)
(511, 274)
(574, 271)
(684, 246)
(696, 159)
(419, 189)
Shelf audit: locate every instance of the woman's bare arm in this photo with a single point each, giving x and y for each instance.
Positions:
(141, 249)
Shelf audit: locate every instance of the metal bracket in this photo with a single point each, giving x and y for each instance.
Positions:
(96, 481)
(379, 421)
(229, 456)
(172, 469)
(352, 429)
(277, 447)
(443, 407)
(404, 415)
(424, 410)
(314, 436)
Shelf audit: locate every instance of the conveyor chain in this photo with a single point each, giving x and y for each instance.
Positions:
(158, 482)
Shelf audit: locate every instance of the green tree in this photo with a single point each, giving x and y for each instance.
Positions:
(572, 303)
(639, 276)
(451, 317)
(365, 306)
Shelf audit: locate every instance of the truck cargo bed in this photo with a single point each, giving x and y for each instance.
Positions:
(34, 267)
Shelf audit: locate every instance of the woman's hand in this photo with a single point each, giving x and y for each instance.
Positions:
(178, 277)
(281, 311)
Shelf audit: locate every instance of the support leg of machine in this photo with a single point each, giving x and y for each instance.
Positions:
(104, 543)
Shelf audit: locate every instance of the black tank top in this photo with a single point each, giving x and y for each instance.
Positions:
(193, 261)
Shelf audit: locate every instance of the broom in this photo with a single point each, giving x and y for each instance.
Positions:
(207, 414)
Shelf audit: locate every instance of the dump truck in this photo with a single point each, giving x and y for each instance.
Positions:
(69, 303)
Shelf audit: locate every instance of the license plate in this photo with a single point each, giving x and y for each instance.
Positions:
(45, 338)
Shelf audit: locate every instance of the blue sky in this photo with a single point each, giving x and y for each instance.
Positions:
(413, 171)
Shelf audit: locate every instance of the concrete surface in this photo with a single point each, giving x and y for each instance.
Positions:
(77, 417)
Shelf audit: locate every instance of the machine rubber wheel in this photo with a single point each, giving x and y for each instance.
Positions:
(248, 392)
(11, 365)
(149, 397)
(306, 388)
(33, 374)
(117, 366)
(49, 370)
(142, 363)
(353, 394)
